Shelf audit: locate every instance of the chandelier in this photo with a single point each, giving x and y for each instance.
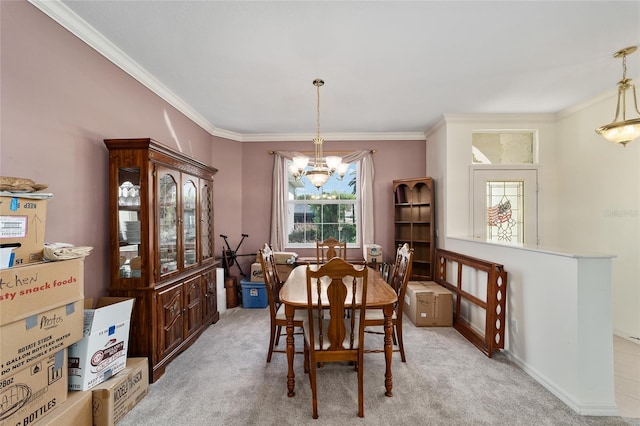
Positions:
(625, 130)
(322, 168)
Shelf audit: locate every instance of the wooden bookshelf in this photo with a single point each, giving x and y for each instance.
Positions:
(414, 223)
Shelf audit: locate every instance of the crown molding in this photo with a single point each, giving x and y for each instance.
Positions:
(329, 137)
(506, 117)
(227, 134)
(437, 126)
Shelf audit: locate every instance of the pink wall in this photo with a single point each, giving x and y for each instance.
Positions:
(60, 99)
(227, 156)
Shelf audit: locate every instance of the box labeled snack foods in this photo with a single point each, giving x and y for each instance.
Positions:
(31, 289)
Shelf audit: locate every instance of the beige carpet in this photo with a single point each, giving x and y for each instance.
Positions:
(223, 379)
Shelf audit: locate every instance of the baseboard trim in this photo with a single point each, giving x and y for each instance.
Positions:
(584, 409)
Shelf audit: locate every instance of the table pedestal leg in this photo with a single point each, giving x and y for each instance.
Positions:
(388, 349)
(291, 380)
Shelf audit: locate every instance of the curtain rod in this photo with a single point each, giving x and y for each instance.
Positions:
(373, 151)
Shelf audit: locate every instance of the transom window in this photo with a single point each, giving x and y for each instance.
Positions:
(316, 214)
(503, 147)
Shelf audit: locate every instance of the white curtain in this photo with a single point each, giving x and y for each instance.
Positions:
(279, 200)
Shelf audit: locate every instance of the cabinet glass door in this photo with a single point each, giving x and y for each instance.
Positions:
(206, 220)
(129, 221)
(168, 223)
(189, 199)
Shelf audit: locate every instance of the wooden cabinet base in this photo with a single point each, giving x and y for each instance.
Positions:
(167, 319)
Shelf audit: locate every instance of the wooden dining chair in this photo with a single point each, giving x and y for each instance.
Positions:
(277, 316)
(399, 280)
(330, 248)
(334, 336)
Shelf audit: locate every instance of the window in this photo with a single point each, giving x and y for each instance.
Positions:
(505, 211)
(503, 147)
(315, 214)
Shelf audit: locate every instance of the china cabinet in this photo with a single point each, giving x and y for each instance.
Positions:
(414, 223)
(162, 248)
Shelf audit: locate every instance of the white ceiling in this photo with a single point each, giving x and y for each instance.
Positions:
(244, 69)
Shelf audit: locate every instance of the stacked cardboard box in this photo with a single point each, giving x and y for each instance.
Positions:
(34, 392)
(76, 410)
(105, 404)
(22, 225)
(41, 315)
(102, 352)
(48, 330)
(118, 395)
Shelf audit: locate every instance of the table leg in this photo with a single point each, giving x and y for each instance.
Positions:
(388, 349)
(291, 380)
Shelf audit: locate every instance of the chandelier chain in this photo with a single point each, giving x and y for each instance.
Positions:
(318, 108)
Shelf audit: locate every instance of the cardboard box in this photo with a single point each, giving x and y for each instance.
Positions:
(31, 289)
(102, 352)
(22, 223)
(284, 257)
(25, 341)
(428, 304)
(76, 410)
(254, 295)
(284, 270)
(33, 392)
(113, 399)
(256, 272)
(374, 253)
(374, 249)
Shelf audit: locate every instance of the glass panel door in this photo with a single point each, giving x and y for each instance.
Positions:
(206, 220)
(505, 205)
(189, 196)
(129, 221)
(505, 215)
(168, 222)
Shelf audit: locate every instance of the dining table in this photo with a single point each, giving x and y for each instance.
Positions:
(380, 295)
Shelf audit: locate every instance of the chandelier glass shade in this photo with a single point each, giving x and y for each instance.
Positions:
(625, 130)
(321, 168)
